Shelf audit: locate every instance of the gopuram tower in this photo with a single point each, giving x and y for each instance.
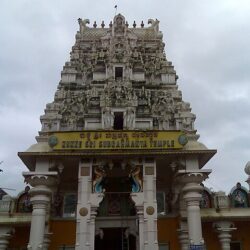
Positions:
(117, 163)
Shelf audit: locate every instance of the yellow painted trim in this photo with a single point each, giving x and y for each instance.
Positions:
(110, 141)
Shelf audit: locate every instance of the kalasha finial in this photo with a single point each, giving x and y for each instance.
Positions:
(134, 24)
(110, 24)
(103, 24)
(94, 25)
(126, 23)
(142, 24)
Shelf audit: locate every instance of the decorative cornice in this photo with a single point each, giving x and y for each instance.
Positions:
(41, 178)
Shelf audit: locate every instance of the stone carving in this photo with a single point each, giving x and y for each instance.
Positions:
(129, 118)
(90, 88)
(221, 200)
(107, 118)
(83, 211)
(183, 106)
(118, 94)
(187, 123)
(83, 24)
(119, 25)
(154, 24)
(73, 108)
(150, 69)
(150, 210)
(163, 108)
(144, 97)
(92, 97)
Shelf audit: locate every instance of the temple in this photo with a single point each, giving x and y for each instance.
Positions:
(118, 164)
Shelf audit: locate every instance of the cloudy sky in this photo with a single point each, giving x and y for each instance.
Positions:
(208, 42)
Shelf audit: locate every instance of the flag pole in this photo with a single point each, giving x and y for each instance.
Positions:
(115, 9)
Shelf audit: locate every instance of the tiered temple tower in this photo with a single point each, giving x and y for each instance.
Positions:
(117, 162)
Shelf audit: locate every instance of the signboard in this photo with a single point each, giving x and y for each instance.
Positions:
(117, 140)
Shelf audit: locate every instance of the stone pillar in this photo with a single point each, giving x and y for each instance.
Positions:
(192, 196)
(140, 238)
(224, 229)
(92, 227)
(40, 198)
(138, 199)
(150, 206)
(183, 236)
(146, 206)
(5, 235)
(87, 205)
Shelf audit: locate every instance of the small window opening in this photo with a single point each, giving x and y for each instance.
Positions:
(118, 120)
(118, 73)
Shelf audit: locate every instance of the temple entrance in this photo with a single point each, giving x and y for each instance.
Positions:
(115, 239)
(116, 226)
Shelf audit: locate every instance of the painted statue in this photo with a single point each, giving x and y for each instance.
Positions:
(99, 175)
(239, 199)
(135, 175)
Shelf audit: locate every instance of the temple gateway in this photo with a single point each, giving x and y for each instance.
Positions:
(118, 164)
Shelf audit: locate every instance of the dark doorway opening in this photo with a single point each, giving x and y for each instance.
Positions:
(118, 120)
(115, 239)
(235, 246)
(118, 73)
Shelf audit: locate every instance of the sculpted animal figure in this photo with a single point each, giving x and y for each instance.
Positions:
(83, 24)
(100, 174)
(136, 179)
(154, 24)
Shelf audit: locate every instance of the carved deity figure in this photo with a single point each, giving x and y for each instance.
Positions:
(71, 121)
(135, 175)
(188, 121)
(108, 119)
(239, 199)
(130, 118)
(119, 24)
(99, 175)
(145, 96)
